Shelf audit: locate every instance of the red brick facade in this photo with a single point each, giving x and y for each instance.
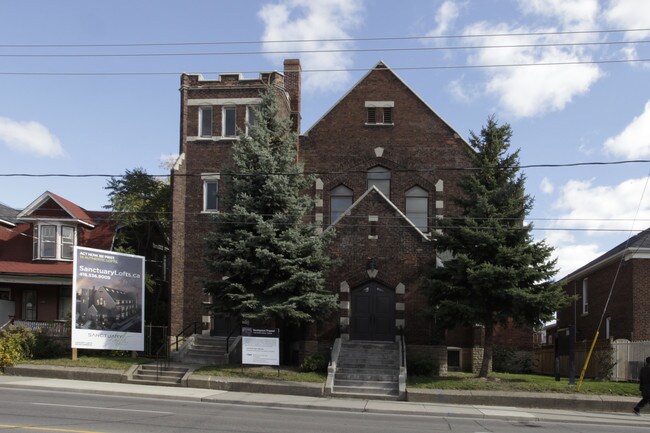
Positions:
(624, 272)
(376, 244)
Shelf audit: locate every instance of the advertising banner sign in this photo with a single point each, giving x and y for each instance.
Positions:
(107, 300)
(260, 346)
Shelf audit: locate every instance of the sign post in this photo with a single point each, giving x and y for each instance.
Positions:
(107, 300)
(260, 346)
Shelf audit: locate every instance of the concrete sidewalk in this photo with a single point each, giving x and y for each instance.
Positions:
(321, 403)
(448, 403)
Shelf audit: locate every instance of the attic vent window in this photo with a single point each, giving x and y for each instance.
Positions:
(379, 112)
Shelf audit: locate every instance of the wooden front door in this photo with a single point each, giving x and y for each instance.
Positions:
(373, 313)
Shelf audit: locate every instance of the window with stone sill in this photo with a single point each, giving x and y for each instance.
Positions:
(229, 126)
(210, 192)
(205, 121)
(379, 116)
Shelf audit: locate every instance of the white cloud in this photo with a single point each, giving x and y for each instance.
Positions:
(573, 257)
(589, 214)
(314, 21)
(634, 140)
(445, 17)
(574, 13)
(629, 14)
(528, 91)
(167, 160)
(584, 205)
(461, 92)
(547, 186)
(29, 137)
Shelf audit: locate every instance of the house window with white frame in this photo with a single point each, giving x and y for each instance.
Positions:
(251, 117)
(54, 241)
(585, 296)
(229, 126)
(340, 201)
(210, 192)
(205, 121)
(417, 207)
(380, 177)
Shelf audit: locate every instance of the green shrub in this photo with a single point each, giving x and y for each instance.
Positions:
(316, 362)
(508, 360)
(422, 366)
(16, 344)
(46, 347)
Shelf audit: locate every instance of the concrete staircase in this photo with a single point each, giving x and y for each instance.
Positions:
(151, 374)
(366, 369)
(204, 350)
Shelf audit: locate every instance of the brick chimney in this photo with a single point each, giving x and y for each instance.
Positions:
(292, 77)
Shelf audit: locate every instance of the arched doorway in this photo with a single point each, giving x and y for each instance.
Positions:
(372, 313)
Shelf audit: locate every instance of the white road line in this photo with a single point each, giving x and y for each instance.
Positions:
(104, 408)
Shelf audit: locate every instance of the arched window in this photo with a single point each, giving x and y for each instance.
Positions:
(340, 201)
(417, 207)
(380, 177)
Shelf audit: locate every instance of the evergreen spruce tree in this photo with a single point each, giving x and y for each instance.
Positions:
(497, 271)
(268, 264)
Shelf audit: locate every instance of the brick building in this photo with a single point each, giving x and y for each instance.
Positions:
(625, 272)
(380, 153)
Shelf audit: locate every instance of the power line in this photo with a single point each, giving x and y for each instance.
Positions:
(367, 39)
(343, 172)
(332, 50)
(403, 68)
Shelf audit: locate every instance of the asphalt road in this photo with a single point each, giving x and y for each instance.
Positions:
(55, 411)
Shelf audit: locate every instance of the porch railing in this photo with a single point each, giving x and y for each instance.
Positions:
(51, 328)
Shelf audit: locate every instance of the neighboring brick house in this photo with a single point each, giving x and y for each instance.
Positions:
(625, 272)
(386, 167)
(36, 253)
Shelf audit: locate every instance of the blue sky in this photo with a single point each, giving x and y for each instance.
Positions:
(55, 117)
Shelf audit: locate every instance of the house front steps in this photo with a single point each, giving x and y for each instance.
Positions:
(204, 350)
(152, 374)
(365, 369)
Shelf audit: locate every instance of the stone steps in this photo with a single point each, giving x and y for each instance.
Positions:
(151, 374)
(367, 370)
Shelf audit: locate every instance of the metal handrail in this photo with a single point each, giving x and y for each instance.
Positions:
(403, 346)
(162, 362)
(182, 333)
(234, 328)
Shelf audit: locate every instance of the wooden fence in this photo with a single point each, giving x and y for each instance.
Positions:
(619, 360)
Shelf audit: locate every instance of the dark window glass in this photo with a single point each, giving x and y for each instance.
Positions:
(341, 200)
(229, 121)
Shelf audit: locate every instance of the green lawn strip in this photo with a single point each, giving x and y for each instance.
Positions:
(521, 382)
(112, 362)
(270, 373)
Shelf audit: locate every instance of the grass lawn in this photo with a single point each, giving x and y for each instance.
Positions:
(460, 381)
(522, 382)
(114, 362)
(255, 372)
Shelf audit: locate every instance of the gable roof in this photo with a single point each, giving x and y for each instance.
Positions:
(382, 66)
(637, 243)
(37, 210)
(8, 215)
(390, 203)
